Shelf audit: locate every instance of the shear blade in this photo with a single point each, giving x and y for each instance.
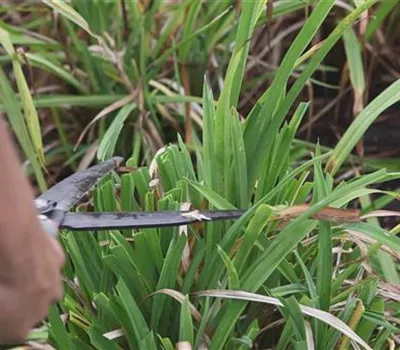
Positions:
(121, 220)
(68, 192)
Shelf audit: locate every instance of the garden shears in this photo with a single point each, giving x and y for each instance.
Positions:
(55, 204)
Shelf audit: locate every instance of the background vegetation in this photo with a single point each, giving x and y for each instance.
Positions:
(216, 104)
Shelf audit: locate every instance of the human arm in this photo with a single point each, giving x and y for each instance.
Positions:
(30, 261)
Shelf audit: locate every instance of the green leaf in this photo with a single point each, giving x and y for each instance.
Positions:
(251, 334)
(253, 231)
(312, 289)
(166, 344)
(107, 144)
(90, 101)
(381, 339)
(233, 277)
(68, 12)
(387, 98)
(384, 9)
(106, 314)
(262, 114)
(58, 330)
(88, 265)
(101, 342)
(208, 137)
(215, 199)
(137, 321)
(197, 33)
(16, 120)
(239, 167)
(31, 116)
(186, 323)
(354, 60)
(325, 259)
(365, 328)
(293, 313)
(230, 93)
(277, 159)
(38, 60)
(167, 279)
(191, 16)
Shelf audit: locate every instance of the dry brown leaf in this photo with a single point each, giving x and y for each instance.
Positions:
(380, 213)
(329, 214)
(309, 336)
(178, 296)
(366, 239)
(188, 119)
(103, 113)
(89, 156)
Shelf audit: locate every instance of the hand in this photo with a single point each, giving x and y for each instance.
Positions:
(30, 283)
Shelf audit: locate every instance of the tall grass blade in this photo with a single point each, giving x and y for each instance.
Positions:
(31, 116)
(68, 12)
(384, 100)
(13, 108)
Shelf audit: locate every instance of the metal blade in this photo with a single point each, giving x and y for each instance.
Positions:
(120, 220)
(69, 191)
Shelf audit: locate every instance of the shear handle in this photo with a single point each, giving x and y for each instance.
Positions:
(48, 226)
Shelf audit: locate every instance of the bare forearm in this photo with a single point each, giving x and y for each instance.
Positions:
(30, 261)
(16, 199)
